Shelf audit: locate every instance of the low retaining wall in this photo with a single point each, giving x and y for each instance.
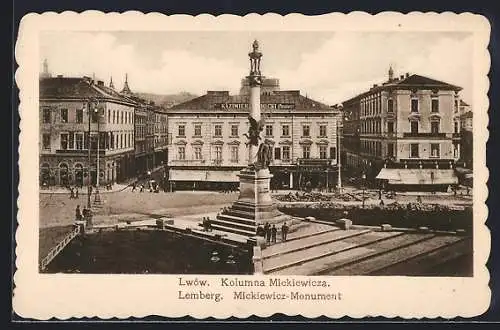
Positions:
(439, 219)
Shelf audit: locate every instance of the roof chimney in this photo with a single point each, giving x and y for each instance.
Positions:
(407, 74)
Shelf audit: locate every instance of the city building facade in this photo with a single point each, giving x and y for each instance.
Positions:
(402, 133)
(208, 139)
(86, 128)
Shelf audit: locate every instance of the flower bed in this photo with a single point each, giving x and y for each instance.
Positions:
(411, 215)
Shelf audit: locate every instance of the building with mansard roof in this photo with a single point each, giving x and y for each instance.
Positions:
(401, 132)
(77, 114)
(208, 139)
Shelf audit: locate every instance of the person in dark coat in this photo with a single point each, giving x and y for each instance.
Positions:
(274, 231)
(267, 230)
(71, 193)
(284, 232)
(78, 213)
(76, 193)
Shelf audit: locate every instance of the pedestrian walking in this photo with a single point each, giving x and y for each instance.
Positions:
(78, 213)
(76, 193)
(71, 193)
(134, 186)
(142, 188)
(274, 231)
(284, 232)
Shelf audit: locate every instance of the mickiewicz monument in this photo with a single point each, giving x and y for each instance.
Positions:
(254, 206)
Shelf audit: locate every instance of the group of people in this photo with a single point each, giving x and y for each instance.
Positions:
(81, 214)
(152, 187)
(73, 193)
(270, 232)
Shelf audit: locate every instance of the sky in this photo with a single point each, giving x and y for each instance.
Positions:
(329, 67)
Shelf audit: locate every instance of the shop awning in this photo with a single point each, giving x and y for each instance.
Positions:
(391, 174)
(426, 176)
(222, 176)
(187, 175)
(198, 175)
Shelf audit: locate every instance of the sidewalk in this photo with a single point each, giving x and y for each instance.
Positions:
(83, 191)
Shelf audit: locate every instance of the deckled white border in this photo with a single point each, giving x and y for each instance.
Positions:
(42, 296)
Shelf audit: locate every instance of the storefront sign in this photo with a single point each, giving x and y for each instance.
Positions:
(239, 106)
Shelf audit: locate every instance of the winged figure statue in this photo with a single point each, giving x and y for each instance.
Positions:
(254, 130)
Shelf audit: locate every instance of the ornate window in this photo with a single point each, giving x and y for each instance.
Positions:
(285, 152)
(181, 152)
(234, 154)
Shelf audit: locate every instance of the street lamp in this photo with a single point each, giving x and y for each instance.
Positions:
(93, 108)
(363, 183)
(97, 199)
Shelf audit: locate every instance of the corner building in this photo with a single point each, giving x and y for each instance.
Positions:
(208, 139)
(401, 133)
(68, 129)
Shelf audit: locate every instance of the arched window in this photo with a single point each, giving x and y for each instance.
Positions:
(63, 174)
(79, 174)
(45, 174)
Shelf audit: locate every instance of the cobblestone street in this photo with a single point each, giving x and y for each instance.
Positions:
(59, 209)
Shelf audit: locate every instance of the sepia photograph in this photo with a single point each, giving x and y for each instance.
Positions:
(253, 160)
(249, 158)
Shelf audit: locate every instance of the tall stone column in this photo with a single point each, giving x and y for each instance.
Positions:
(255, 114)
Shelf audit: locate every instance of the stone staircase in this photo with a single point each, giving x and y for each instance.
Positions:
(240, 218)
(320, 249)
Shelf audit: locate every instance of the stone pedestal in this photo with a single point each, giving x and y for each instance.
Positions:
(254, 206)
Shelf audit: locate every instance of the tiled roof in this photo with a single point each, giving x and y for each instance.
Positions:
(77, 88)
(210, 101)
(410, 82)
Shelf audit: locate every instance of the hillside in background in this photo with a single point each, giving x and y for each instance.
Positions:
(167, 100)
